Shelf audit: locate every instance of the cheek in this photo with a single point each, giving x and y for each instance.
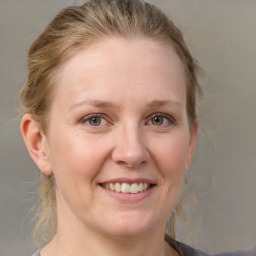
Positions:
(76, 158)
(171, 156)
(76, 163)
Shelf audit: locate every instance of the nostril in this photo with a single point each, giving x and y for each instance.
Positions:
(131, 164)
(123, 163)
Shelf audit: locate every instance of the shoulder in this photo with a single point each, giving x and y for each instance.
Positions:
(187, 250)
(37, 253)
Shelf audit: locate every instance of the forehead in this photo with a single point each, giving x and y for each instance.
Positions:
(110, 65)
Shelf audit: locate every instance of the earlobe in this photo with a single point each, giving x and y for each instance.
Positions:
(36, 143)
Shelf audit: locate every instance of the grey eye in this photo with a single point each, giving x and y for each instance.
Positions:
(157, 120)
(94, 121)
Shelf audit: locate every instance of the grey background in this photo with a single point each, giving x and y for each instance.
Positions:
(221, 34)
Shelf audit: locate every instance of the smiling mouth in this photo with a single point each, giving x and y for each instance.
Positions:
(126, 188)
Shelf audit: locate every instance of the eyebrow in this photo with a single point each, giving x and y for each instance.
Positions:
(96, 103)
(108, 104)
(160, 103)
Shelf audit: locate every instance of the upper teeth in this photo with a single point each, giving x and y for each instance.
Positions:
(126, 187)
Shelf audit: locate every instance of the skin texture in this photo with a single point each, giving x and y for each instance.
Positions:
(126, 84)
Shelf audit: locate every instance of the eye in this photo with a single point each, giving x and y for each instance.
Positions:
(160, 119)
(157, 120)
(94, 120)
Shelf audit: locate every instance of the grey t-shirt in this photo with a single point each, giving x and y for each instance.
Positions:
(189, 251)
(37, 253)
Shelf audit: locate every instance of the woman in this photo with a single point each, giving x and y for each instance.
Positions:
(110, 120)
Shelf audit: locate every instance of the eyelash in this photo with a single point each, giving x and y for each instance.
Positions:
(169, 119)
(86, 119)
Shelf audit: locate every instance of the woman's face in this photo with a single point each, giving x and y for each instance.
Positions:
(118, 140)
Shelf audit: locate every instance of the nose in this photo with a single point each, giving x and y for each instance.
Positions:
(130, 149)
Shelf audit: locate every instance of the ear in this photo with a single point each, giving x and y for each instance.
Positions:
(192, 144)
(36, 143)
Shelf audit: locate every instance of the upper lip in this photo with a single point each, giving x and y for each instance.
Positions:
(128, 180)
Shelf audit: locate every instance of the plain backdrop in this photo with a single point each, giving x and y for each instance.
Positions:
(221, 35)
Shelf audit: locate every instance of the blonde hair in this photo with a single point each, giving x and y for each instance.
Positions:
(81, 26)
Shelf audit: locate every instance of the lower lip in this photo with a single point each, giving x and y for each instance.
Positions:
(129, 197)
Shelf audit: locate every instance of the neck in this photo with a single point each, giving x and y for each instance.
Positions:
(75, 238)
(68, 244)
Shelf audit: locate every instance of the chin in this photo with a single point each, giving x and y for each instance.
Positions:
(131, 225)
